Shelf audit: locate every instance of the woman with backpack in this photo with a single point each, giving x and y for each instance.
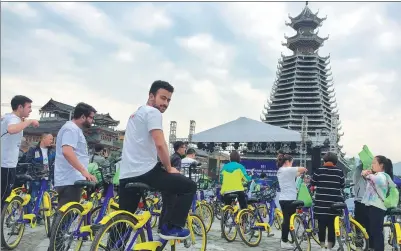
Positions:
(379, 183)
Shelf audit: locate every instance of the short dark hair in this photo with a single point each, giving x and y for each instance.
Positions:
(191, 151)
(177, 145)
(263, 175)
(235, 157)
(330, 157)
(160, 84)
(98, 147)
(83, 109)
(19, 100)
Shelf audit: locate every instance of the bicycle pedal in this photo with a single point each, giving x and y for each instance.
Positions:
(270, 234)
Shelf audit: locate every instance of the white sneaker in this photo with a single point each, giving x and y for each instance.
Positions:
(286, 245)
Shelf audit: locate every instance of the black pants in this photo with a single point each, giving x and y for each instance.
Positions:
(360, 213)
(68, 194)
(375, 219)
(241, 199)
(7, 182)
(288, 209)
(323, 223)
(167, 206)
(159, 179)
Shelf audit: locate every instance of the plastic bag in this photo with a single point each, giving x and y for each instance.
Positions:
(393, 196)
(304, 195)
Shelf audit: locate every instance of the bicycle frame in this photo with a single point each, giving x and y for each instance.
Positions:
(38, 202)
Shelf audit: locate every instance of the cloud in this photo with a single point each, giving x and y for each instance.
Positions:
(220, 59)
(147, 18)
(21, 9)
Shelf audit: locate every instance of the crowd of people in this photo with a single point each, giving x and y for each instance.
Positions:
(145, 159)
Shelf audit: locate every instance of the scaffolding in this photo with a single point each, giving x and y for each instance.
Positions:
(304, 139)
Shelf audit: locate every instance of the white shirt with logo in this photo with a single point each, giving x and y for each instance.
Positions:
(139, 154)
(10, 143)
(45, 157)
(70, 135)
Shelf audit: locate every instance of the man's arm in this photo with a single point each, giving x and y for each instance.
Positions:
(68, 152)
(15, 126)
(161, 146)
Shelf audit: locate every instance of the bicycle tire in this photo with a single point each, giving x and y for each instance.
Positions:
(14, 245)
(209, 211)
(244, 239)
(305, 235)
(228, 210)
(56, 224)
(116, 219)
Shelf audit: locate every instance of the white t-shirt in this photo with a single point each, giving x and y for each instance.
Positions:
(64, 174)
(10, 143)
(139, 154)
(45, 157)
(185, 163)
(286, 178)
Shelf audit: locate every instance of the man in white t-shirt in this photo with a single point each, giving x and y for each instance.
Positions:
(143, 142)
(72, 156)
(189, 164)
(12, 126)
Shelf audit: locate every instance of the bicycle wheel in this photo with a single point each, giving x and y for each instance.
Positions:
(206, 214)
(151, 206)
(358, 240)
(314, 230)
(390, 239)
(247, 229)
(299, 234)
(341, 236)
(278, 220)
(11, 213)
(107, 236)
(45, 211)
(198, 235)
(217, 209)
(228, 221)
(95, 213)
(62, 234)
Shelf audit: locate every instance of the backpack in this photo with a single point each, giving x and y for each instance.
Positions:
(93, 169)
(392, 196)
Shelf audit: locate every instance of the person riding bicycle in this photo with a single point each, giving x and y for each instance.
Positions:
(232, 176)
(12, 127)
(143, 142)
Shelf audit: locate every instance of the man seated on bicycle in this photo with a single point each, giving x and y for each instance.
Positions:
(143, 142)
(231, 177)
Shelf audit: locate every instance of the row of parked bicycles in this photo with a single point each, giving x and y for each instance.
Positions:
(97, 221)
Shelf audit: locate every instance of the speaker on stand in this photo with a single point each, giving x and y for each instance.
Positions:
(316, 158)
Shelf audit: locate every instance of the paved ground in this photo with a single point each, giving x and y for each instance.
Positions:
(35, 240)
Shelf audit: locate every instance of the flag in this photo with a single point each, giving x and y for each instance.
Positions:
(366, 157)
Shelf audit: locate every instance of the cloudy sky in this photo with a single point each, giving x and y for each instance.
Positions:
(220, 57)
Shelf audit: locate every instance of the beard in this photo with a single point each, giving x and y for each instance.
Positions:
(86, 124)
(161, 108)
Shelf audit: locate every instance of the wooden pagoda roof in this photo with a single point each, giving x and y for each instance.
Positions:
(101, 119)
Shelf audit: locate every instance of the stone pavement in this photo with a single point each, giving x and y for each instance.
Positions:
(35, 240)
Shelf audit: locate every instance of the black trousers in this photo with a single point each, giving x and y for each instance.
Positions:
(68, 194)
(374, 223)
(7, 182)
(241, 199)
(159, 179)
(168, 206)
(323, 223)
(360, 213)
(288, 209)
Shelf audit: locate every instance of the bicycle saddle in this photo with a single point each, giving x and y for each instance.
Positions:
(23, 177)
(338, 206)
(393, 211)
(139, 185)
(253, 200)
(298, 203)
(84, 183)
